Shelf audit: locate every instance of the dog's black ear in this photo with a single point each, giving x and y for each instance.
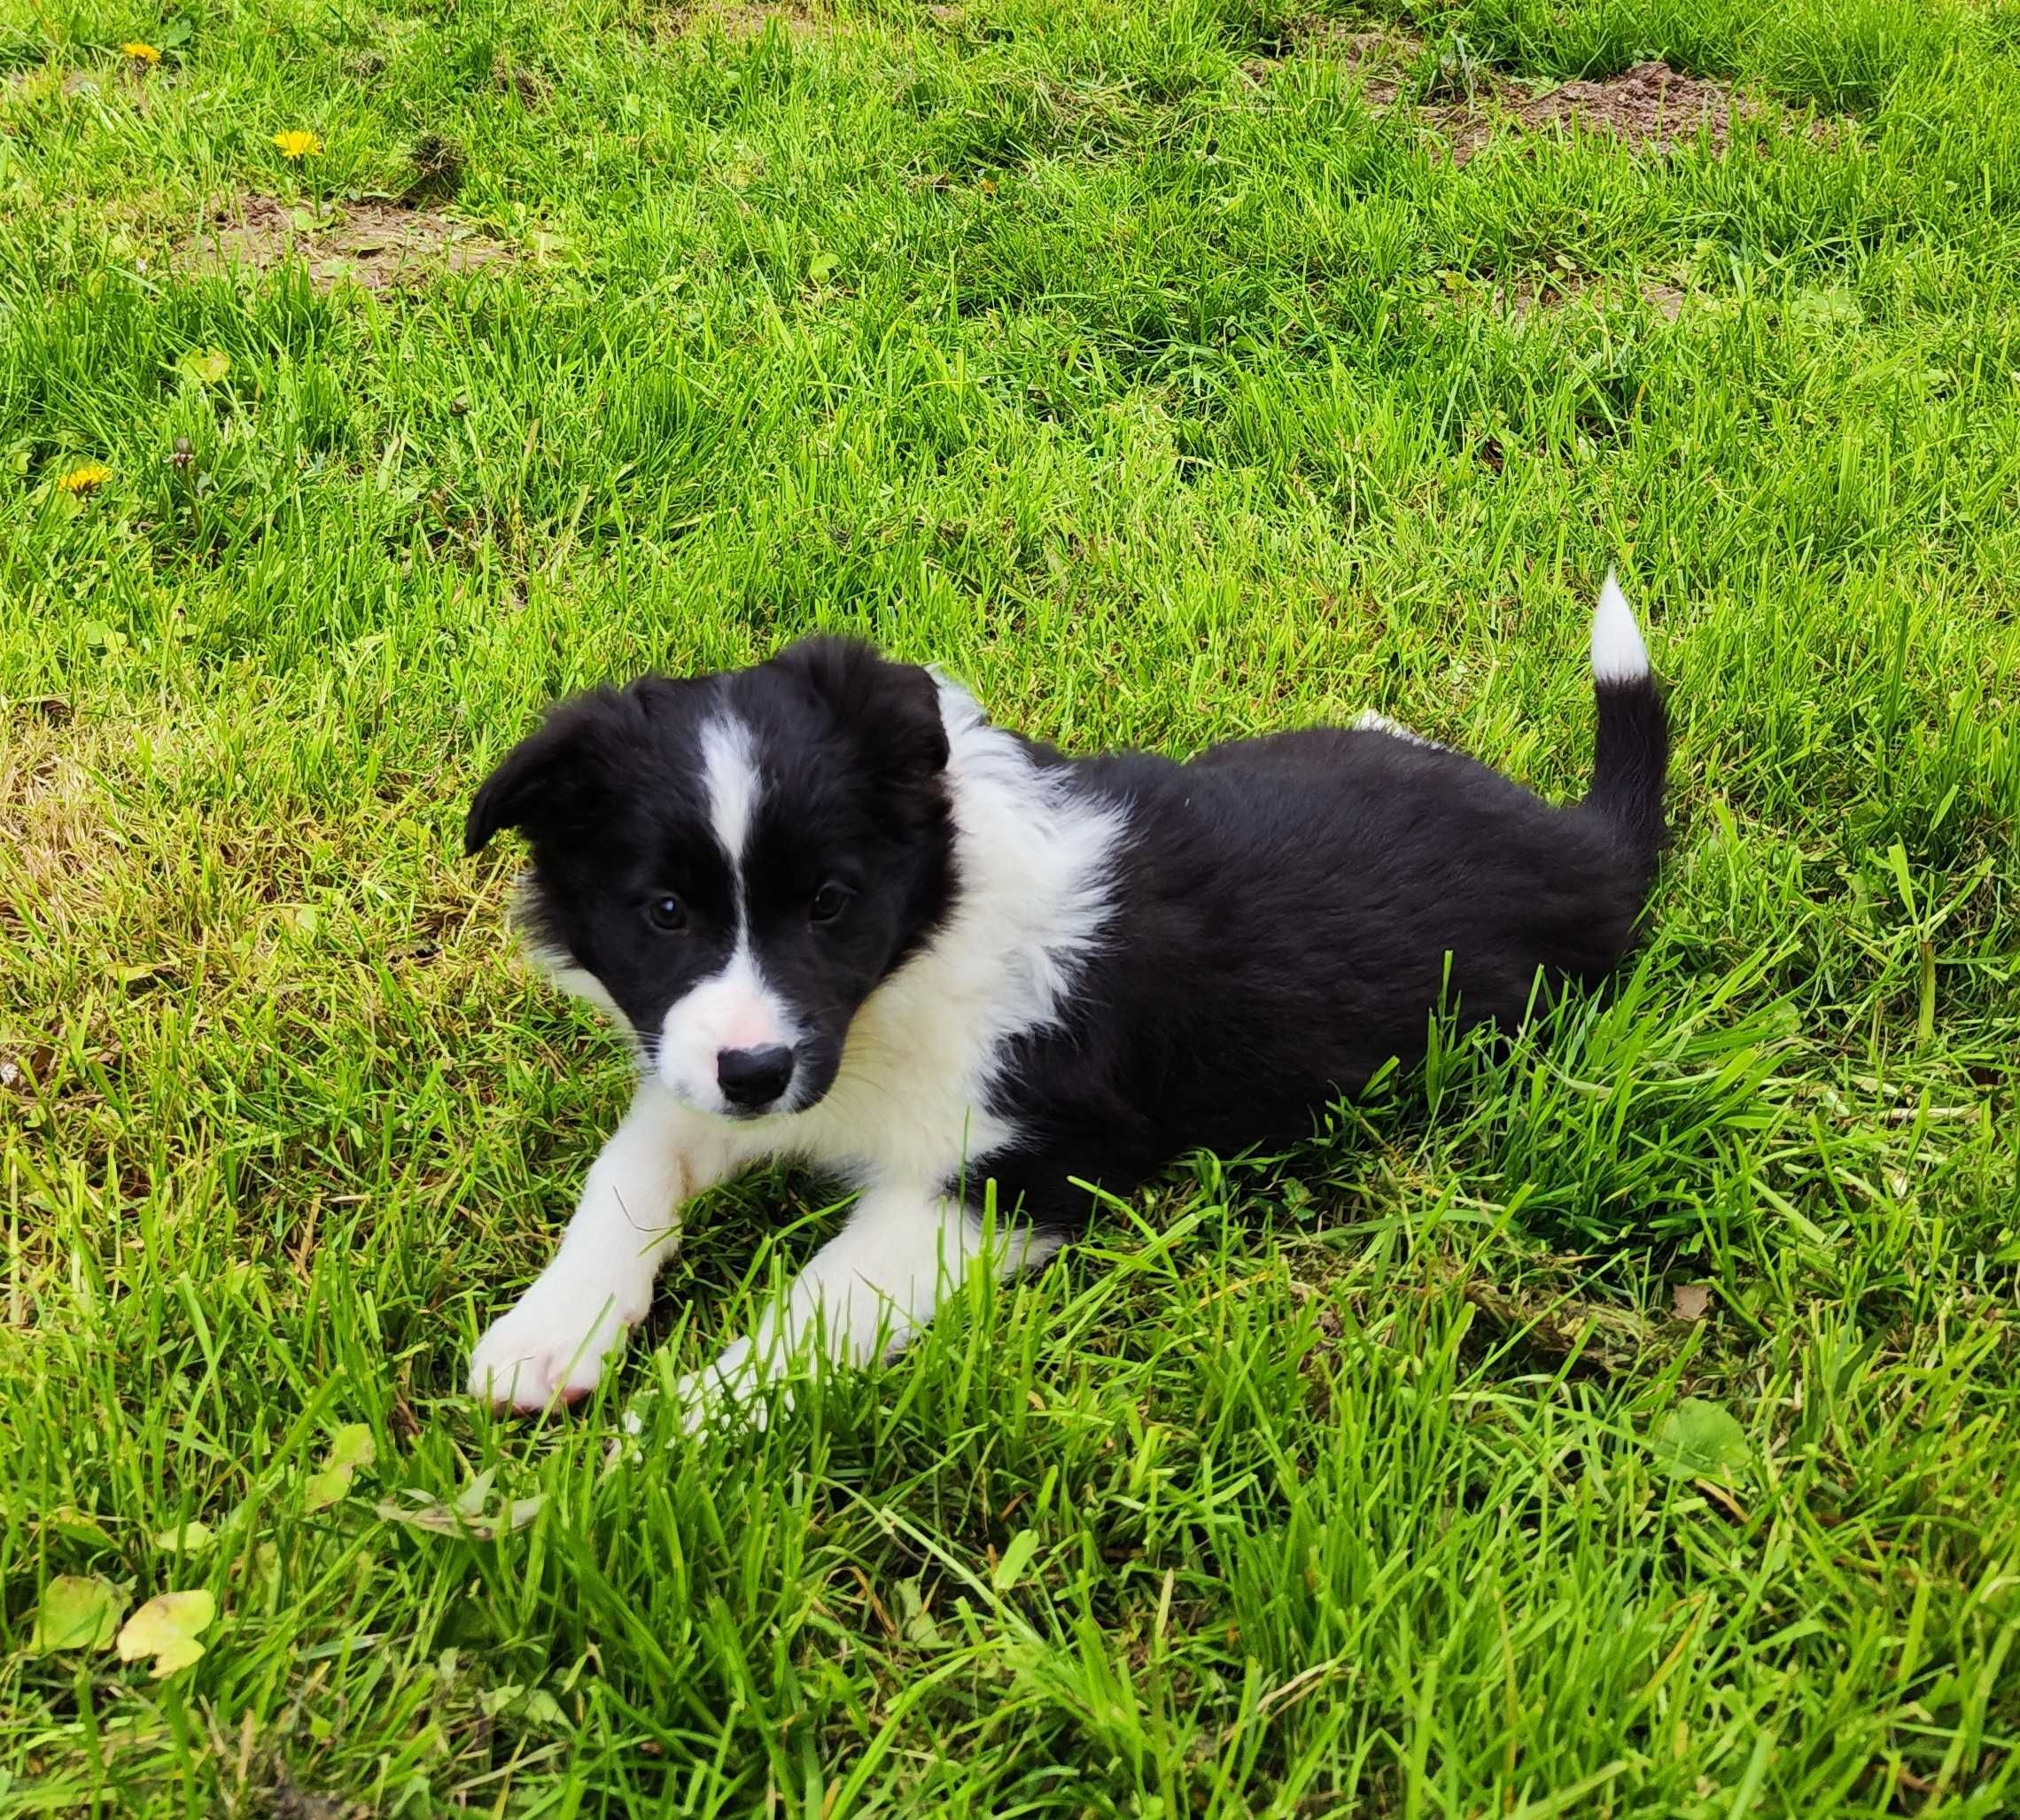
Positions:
(552, 778)
(892, 710)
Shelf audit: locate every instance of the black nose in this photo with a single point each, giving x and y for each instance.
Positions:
(754, 1077)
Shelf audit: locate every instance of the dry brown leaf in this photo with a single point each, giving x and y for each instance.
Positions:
(1689, 1301)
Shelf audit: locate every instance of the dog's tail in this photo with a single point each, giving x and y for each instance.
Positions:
(1631, 759)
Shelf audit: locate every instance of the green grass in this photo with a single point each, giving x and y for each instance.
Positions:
(1119, 357)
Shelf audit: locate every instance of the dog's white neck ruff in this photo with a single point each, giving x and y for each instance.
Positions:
(1033, 865)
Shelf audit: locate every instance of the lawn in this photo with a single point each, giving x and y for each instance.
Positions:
(1623, 1422)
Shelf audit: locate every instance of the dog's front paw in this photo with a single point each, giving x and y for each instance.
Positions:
(720, 1395)
(724, 1392)
(554, 1344)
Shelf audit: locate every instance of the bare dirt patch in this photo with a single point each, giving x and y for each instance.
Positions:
(1554, 290)
(1464, 102)
(1668, 300)
(376, 246)
(1524, 294)
(54, 837)
(1650, 105)
(741, 20)
(1385, 59)
(1521, 295)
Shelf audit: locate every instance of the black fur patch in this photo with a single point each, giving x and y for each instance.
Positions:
(1286, 907)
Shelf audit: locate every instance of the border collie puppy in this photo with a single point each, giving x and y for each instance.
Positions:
(846, 919)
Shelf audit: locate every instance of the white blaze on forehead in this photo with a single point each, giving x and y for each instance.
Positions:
(736, 1008)
(729, 774)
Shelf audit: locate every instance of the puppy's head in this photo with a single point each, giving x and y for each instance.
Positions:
(734, 862)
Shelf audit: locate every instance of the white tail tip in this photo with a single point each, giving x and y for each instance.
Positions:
(1618, 653)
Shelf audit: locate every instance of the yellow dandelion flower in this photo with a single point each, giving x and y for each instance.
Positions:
(87, 477)
(298, 144)
(140, 53)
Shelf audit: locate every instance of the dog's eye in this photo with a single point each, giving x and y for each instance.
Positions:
(667, 913)
(829, 902)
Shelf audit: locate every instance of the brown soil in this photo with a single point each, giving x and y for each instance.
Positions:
(1524, 294)
(1667, 297)
(739, 20)
(376, 246)
(1650, 105)
(1556, 289)
(52, 833)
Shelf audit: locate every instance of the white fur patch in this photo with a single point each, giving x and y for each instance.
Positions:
(732, 1010)
(1618, 653)
(736, 1008)
(730, 775)
(1369, 721)
(577, 983)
